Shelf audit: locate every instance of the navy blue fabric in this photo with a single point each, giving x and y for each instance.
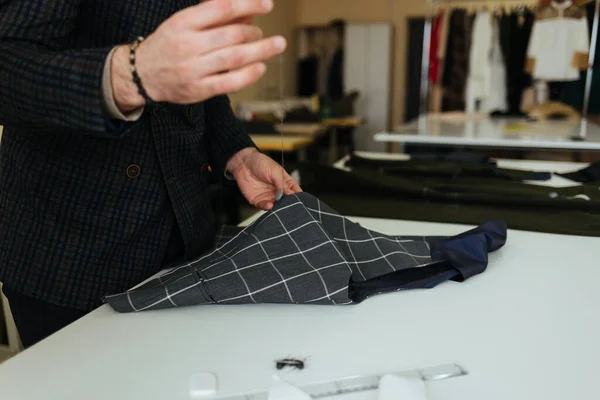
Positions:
(468, 252)
(426, 277)
(456, 258)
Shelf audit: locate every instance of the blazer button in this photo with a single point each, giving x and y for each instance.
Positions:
(205, 168)
(133, 171)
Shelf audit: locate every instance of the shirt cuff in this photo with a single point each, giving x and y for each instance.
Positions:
(108, 97)
(228, 176)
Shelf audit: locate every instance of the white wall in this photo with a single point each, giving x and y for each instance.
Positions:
(368, 67)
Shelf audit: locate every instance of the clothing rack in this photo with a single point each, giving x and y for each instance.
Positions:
(473, 5)
(505, 4)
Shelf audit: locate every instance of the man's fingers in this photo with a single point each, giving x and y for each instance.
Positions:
(292, 188)
(232, 81)
(230, 35)
(265, 201)
(221, 12)
(235, 57)
(265, 205)
(246, 21)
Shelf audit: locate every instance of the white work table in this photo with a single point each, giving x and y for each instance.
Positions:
(526, 329)
(526, 165)
(503, 133)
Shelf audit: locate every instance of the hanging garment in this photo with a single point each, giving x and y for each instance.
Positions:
(515, 31)
(443, 44)
(434, 62)
(496, 97)
(437, 89)
(479, 79)
(335, 77)
(449, 52)
(556, 91)
(308, 76)
(456, 68)
(496, 100)
(436, 96)
(462, 199)
(594, 104)
(304, 252)
(528, 101)
(574, 91)
(414, 62)
(559, 43)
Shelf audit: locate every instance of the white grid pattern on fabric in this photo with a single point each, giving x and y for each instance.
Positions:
(301, 252)
(373, 239)
(283, 280)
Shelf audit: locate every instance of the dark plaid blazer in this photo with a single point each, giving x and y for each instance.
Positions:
(87, 204)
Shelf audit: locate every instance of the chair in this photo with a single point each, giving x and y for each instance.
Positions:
(14, 342)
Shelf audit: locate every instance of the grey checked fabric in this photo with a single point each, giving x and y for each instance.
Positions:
(302, 252)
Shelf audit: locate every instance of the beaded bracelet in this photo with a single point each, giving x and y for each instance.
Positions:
(136, 78)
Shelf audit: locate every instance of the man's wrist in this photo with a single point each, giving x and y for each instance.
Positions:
(126, 94)
(238, 160)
